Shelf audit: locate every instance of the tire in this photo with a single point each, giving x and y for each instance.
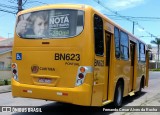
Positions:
(140, 88)
(118, 96)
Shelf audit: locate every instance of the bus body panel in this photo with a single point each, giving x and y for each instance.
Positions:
(122, 70)
(79, 95)
(57, 64)
(58, 61)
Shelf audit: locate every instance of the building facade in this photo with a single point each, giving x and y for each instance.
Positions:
(5, 58)
(154, 62)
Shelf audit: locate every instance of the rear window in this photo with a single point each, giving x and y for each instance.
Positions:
(56, 23)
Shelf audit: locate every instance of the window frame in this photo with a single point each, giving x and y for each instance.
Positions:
(72, 36)
(96, 45)
(117, 56)
(124, 46)
(142, 52)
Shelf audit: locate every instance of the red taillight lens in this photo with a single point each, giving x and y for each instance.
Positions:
(14, 71)
(81, 76)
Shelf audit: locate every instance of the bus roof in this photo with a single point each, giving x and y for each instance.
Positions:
(117, 25)
(51, 6)
(80, 7)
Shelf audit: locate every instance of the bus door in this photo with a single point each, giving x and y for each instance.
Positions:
(147, 67)
(101, 74)
(132, 70)
(107, 64)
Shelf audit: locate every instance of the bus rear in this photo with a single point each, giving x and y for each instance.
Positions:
(52, 53)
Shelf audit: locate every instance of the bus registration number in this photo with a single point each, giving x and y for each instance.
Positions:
(44, 80)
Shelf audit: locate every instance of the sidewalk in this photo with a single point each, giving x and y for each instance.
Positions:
(5, 88)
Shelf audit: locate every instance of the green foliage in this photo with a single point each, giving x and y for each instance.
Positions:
(5, 82)
(156, 41)
(155, 69)
(1, 83)
(149, 46)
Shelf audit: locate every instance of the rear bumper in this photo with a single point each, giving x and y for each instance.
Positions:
(80, 95)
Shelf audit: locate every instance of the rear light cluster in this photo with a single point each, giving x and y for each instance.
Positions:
(81, 74)
(15, 71)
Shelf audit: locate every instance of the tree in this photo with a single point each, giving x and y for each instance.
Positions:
(157, 42)
(149, 46)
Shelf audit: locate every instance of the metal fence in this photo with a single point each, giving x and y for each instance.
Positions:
(5, 69)
(154, 65)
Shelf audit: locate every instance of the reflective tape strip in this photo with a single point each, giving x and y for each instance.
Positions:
(59, 93)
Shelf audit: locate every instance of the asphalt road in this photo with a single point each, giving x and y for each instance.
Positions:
(150, 97)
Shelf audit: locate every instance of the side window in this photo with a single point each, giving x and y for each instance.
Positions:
(124, 46)
(98, 35)
(117, 42)
(142, 52)
(138, 51)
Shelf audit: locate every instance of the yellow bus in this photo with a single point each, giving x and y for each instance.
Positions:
(74, 54)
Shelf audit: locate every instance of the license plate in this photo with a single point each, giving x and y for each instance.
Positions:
(44, 80)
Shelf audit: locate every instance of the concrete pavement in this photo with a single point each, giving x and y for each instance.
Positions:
(5, 88)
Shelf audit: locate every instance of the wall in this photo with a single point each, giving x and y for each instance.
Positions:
(5, 72)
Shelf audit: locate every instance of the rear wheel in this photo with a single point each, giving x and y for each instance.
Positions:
(140, 88)
(118, 96)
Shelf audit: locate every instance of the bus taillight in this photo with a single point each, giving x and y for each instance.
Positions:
(81, 74)
(15, 71)
(82, 69)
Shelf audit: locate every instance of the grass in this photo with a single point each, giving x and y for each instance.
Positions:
(1, 83)
(5, 82)
(155, 69)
